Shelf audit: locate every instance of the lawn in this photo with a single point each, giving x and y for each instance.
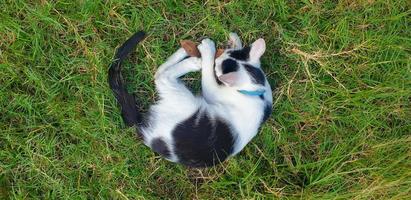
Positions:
(340, 73)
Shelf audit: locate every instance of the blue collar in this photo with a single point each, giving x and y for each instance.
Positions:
(252, 93)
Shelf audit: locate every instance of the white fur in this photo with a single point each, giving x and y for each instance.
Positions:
(235, 41)
(243, 113)
(257, 49)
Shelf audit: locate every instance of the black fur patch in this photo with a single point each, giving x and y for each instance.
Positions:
(127, 102)
(200, 141)
(267, 113)
(242, 54)
(256, 74)
(160, 147)
(215, 76)
(229, 65)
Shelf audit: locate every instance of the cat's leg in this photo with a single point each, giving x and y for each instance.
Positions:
(179, 55)
(176, 104)
(168, 83)
(209, 83)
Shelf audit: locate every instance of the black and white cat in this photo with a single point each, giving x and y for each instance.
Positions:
(200, 131)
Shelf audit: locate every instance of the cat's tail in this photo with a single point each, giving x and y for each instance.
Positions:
(129, 110)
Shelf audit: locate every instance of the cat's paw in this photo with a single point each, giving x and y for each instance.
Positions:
(207, 48)
(194, 63)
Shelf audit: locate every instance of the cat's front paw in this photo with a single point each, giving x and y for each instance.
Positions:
(207, 48)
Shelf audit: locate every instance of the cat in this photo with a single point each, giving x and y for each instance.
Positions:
(204, 130)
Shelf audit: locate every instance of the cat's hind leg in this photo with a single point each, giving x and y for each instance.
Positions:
(179, 55)
(168, 83)
(176, 103)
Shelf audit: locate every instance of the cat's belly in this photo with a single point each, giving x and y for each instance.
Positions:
(201, 140)
(196, 140)
(162, 119)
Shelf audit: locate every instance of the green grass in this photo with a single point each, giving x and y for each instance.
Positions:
(341, 75)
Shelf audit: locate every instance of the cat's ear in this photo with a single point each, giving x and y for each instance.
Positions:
(234, 41)
(230, 79)
(257, 49)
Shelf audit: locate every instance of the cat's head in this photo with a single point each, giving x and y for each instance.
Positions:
(239, 67)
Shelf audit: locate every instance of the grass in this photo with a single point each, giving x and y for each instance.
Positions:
(340, 71)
